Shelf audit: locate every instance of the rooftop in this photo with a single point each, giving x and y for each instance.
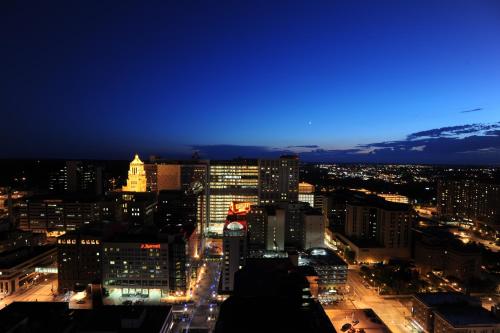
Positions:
(12, 258)
(57, 317)
(465, 315)
(368, 320)
(321, 256)
(443, 298)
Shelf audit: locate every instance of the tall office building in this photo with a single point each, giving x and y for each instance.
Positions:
(255, 181)
(279, 179)
(236, 180)
(189, 177)
(136, 181)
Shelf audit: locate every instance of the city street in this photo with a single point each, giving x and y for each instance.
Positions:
(41, 292)
(203, 312)
(468, 236)
(390, 310)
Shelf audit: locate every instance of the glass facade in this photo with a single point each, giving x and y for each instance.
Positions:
(230, 181)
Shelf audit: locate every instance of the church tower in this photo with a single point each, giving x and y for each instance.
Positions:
(136, 181)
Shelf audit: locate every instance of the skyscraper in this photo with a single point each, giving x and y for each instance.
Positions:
(236, 180)
(279, 179)
(136, 181)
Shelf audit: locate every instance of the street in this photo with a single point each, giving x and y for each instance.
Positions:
(467, 236)
(41, 292)
(203, 312)
(390, 310)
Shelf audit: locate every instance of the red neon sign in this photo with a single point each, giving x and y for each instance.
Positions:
(150, 246)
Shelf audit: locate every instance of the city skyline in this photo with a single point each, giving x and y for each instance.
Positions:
(401, 82)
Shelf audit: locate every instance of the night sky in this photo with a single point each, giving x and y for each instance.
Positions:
(338, 81)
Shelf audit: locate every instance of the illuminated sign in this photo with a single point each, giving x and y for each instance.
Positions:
(150, 246)
(240, 207)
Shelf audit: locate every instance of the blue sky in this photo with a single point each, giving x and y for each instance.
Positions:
(94, 79)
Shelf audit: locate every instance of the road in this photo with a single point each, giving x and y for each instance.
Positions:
(204, 311)
(41, 292)
(467, 236)
(390, 310)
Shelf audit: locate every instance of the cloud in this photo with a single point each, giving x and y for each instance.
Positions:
(464, 144)
(471, 110)
(225, 151)
(455, 131)
(303, 146)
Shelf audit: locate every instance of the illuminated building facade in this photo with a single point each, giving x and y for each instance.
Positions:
(306, 193)
(136, 268)
(136, 181)
(279, 180)
(394, 197)
(255, 181)
(230, 181)
(152, 262)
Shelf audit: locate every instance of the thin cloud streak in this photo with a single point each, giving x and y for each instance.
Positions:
(472, 110)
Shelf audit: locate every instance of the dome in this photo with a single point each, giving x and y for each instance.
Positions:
(235, 226)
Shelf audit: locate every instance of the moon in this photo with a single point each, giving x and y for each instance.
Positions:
(310, 122)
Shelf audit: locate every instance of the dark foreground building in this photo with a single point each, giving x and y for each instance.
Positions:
(43, 317)
(270, 295)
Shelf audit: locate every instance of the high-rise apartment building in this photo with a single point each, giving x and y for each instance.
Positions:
(469, 202)
(376, 229)
(136, 181)
(387, 223)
